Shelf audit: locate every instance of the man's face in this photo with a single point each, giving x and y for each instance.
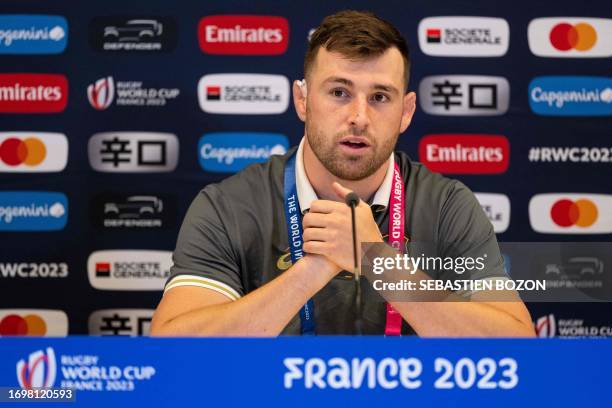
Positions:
(355, 111)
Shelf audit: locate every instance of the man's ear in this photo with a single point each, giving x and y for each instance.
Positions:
(408, 110)
(299, 98)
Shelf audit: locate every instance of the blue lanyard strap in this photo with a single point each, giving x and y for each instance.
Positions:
(293, 217)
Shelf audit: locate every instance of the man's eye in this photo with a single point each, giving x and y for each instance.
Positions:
(380, 98)
(338, 93)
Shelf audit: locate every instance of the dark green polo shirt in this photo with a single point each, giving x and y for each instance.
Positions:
(234, 239)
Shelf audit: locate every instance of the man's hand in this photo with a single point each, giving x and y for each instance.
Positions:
(328, 229)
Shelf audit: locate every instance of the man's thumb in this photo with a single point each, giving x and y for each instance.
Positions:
(340, 190)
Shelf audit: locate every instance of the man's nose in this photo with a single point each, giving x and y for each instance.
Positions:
(358, 112)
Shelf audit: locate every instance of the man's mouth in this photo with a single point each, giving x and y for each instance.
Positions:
(354, 143)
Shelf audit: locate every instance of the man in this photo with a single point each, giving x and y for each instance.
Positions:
(232, 272)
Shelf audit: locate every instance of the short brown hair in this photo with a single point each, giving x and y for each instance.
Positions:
(356, 35)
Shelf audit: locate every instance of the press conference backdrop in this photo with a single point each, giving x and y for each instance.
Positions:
(114, 114)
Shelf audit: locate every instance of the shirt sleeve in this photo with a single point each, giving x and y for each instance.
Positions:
(204, 254)
(466, 232)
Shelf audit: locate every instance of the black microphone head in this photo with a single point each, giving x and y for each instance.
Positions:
(352, 199)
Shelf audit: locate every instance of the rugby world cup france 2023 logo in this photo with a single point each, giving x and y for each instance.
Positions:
(39, 371)
(101, 93)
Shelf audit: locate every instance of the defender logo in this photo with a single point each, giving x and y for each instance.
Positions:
(133, 34)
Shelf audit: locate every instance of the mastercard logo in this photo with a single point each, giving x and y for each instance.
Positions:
(28, 325)
(30, 151)
(571, 213)
(33, 152)
(581, 213)
(570, 37)
(33, 322)
(580, 37)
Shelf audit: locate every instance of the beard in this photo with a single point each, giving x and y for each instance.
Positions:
(346, 166)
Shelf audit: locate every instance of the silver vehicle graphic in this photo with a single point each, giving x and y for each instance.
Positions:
(135, 207)
(134, 30)
(576, 267)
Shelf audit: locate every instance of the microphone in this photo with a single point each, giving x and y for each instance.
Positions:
(352, 200)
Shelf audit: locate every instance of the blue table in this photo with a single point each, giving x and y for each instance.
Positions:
(312, 371)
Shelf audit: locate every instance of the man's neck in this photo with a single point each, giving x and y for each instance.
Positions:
(321, 179)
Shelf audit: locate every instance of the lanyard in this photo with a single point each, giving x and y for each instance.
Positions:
(293, 216)
(393, 324)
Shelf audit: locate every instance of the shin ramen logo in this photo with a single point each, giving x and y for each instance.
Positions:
(39, 371)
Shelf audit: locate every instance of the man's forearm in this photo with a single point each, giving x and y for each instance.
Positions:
(447, 314)
(465, 319)
(263, 312)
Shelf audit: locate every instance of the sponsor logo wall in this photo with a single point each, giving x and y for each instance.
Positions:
(111, 122)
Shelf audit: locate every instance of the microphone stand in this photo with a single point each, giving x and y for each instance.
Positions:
(352, 200)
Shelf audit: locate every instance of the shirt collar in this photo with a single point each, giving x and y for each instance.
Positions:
(307, 195)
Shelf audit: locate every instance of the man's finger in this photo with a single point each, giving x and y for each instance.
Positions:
(325, 206)
(316, 247)
(315, 234)
(316, 220)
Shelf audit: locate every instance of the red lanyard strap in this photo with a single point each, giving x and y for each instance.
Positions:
(393, 324)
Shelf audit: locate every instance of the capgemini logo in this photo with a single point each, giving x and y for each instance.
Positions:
(101, 93)
(39, 371)
(546, 326)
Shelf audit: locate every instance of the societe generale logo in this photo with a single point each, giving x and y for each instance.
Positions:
(129, 269)
(243, 35)
(33, 93)
(497, 209)
(33, 322)
(39, 371)
(570, 37)
(243, 93)
(465, 153)
(464, 36)
(571, 213)
(32, 152)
